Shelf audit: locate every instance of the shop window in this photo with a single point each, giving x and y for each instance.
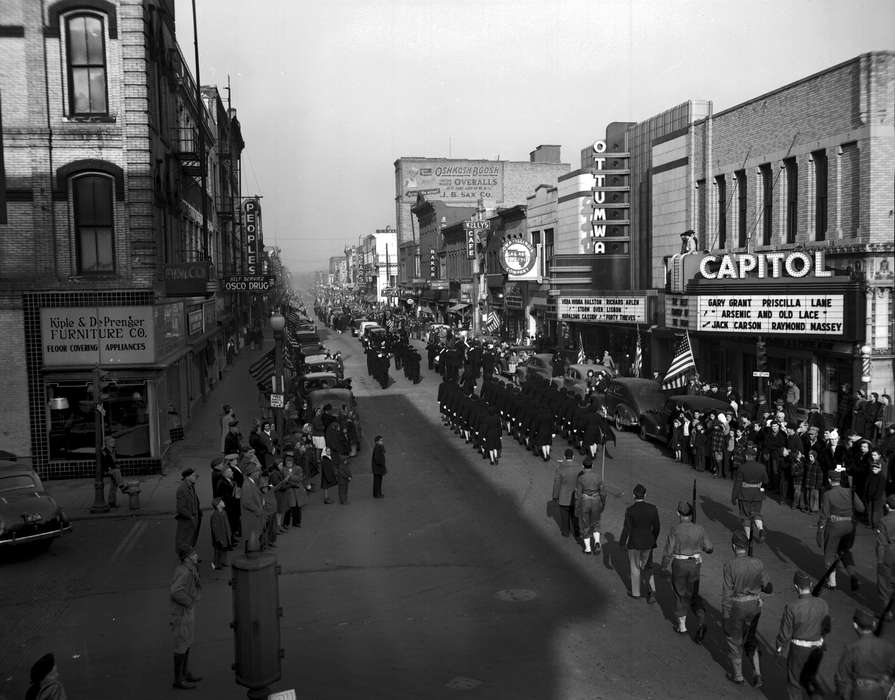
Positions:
(767, 204)
(741, 208)
(86, 64)
(72, 416)
(94, 223)
(792, 199)
(820, 195)
(721, 184)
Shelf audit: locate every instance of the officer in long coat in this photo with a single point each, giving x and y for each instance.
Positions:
(185, 592)
(252, 506)
(188, 513)
(885, 555)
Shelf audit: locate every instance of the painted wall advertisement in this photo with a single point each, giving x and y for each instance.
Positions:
(105, 335)
(457, 181)
(787, 314)
(603, 309)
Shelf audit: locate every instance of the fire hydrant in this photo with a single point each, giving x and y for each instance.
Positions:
(133, 493)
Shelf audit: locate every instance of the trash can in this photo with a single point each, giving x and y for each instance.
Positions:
(133, 493)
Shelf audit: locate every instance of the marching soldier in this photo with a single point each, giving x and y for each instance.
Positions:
(748, 494)
(836, 527)
(885, 556)
(866, 668)
(589, 503)
(683, 555)
(743, 581)
(804, 623)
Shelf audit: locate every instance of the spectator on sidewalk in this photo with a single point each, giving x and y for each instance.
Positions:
(228, 415)
(221, 535)
(110, 468)
(378, 465)
(343, 478)
(189, 514)
(252, 506)
(233, 442)
(45, 683)
(185, 592)
(227, 489)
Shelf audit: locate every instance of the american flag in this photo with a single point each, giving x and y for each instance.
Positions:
(638, 357)
(681, 363)
(491, 321)
(581, 356)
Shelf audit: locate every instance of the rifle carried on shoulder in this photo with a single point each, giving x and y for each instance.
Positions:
(881, 620)
(822, 581)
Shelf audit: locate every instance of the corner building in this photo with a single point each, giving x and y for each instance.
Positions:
(791, 197)
(108, 277)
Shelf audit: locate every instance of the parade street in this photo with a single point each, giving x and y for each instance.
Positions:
(456, 583)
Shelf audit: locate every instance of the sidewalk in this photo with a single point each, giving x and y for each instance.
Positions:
(196, 450)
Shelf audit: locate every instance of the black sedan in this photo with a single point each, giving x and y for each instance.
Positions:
(656, 424)
(28, 514)
(626, 399)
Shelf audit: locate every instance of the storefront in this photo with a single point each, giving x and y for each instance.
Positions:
(118, 365)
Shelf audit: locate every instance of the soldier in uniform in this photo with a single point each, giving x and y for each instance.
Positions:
(836, 527)
(589, 503)
(885, 556)
(866, 668)
(748, 494)
(683, 556)
(744, 579)
(804, 623)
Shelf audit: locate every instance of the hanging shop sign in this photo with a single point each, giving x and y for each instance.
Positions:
(247, 283)
(473, 228)
(602, 309)
(733, 266)
(786, 314)
(186, 279)
(105, 335)
(252, 211)
(518, 258)
(195, 323)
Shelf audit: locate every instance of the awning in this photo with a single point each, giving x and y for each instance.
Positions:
(456, 308)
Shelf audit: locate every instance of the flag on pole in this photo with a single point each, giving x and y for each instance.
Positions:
(491, 321)
(681, 363)
(638, 356)
(581, 356)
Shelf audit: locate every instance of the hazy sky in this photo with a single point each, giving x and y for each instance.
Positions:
(331, 93)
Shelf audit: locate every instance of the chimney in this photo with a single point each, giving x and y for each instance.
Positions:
(545, 154)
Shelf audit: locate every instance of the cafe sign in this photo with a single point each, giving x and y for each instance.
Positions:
(786, 314)
(601, 309)
(90, 336)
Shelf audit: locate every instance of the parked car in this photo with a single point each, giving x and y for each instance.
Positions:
(626, 399)
(578, 379)
(314, 381)
(28, 514)
(355, 325)
(323, 363)
(540, 364)
(337, 398)
(656, 425)
(364, 325)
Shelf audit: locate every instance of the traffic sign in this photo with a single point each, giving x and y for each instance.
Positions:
(276, 401)
(759, 373)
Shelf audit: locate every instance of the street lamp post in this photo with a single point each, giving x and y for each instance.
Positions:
(277, 324)
(99, 496)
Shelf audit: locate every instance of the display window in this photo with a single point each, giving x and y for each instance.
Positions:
(72, 418)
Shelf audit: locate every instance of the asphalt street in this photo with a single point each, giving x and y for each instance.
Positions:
(457, 583)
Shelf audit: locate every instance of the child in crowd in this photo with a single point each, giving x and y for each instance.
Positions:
(677, 438)
(221, 535)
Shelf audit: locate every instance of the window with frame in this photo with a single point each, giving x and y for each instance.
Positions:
(792, 199)
(820, 195)
(721, 184)
(92, 197)
(86, 64)
(767, 204)
(741, 208)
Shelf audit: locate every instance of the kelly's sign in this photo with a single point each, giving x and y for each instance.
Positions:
(107, 335)
(787, 314)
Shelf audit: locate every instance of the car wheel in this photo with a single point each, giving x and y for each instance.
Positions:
(642, 433)
(617, 418)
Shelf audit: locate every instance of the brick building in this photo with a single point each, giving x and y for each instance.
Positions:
(110, 248)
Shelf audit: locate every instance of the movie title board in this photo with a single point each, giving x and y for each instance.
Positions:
(604, 309)
(788, 314)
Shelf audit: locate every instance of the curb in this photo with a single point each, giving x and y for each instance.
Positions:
(139, 513)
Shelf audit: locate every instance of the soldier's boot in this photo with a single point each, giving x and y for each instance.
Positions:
(187, 674)
(736, 676)
(759, 527)
(179, 680)
(587, 549)
(748, 530)
(756, 665)
(681, 625)
(597, 546)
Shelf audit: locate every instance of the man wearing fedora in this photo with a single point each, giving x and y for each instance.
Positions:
(185, 592)
(683, 556)
(189, 514)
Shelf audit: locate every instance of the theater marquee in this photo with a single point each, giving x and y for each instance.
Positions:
(601, 309)
(787, 314)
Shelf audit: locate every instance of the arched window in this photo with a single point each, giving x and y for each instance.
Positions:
(85, 40)
(92, 196)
